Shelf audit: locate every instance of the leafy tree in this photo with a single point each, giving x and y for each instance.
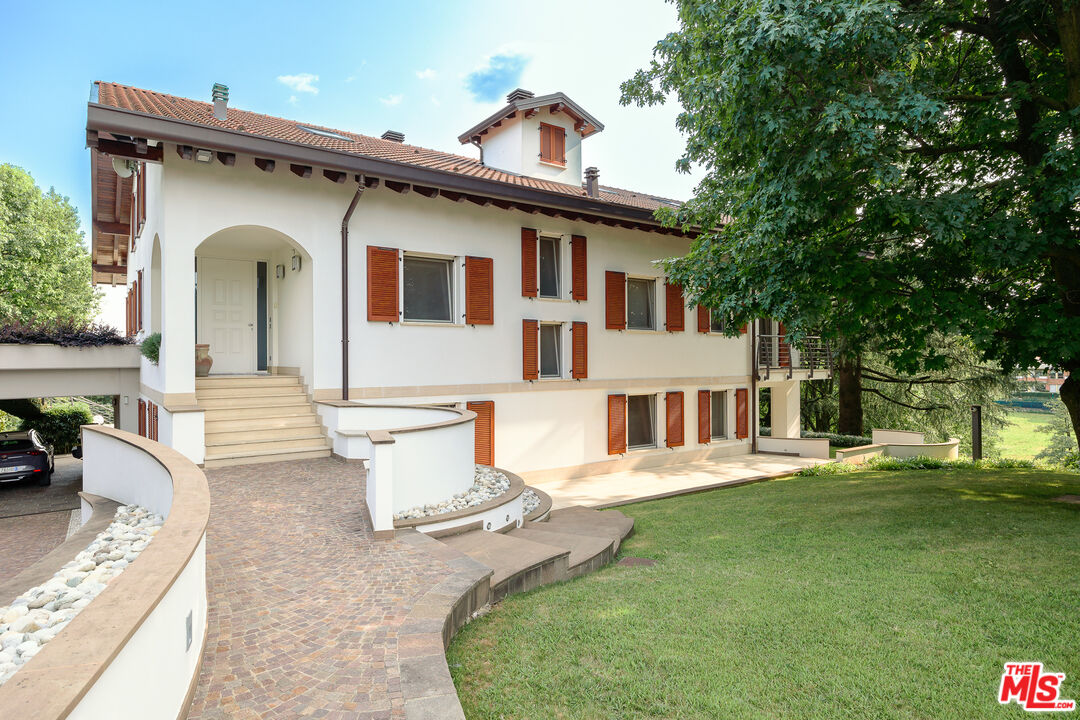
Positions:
(884, 171)
(1062, 442)
(44, 266)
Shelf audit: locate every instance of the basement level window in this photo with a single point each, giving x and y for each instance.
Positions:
(641, 421)
(325, 133)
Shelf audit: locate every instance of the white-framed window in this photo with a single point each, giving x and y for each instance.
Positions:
(718, 420)
(641, 421)
(427, 289)
(640, 303)
(550, 270)
(551, 356)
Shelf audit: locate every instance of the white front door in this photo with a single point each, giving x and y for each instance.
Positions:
(227, 313)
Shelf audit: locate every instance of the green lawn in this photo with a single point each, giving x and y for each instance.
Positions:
(1019, 439)
(868, 595)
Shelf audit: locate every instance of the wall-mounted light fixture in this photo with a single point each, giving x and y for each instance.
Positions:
(204, 156)
(279, 271)
(296, 262)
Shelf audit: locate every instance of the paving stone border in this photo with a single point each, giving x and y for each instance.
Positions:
(426, 685)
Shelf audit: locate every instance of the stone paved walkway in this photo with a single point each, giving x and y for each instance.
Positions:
(34, 520)
(305, 607)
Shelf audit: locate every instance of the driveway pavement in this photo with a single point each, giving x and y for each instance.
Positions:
(34, 520)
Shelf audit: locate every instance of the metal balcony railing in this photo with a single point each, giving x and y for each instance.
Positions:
(774, 353)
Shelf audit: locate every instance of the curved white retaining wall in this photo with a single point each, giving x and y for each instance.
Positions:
(903, 437)
(803, 447)
(130, 650)
(943, 451)
(417, 454)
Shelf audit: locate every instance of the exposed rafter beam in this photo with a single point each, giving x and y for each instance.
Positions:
(398, 187)
(302, 171)
(479, 200)
(226, 158)
(454, 196)
(129, 150)
(530, 112)
(116, 269)
(265, 164)
(428, 192)
(112, 228)
(371, 182)
(335, 176)
(185, 151)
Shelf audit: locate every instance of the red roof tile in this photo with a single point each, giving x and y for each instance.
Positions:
(274, 128)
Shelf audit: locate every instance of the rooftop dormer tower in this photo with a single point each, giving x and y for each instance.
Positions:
(535, 136)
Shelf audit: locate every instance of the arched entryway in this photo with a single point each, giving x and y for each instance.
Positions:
(254, 302)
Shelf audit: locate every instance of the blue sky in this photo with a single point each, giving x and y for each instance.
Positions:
(428, 69)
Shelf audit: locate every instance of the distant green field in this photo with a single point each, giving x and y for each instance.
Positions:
(1019, 439)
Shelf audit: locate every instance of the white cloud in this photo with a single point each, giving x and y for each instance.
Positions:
(426, 74)
(302, 82)
(293, 100)
(435, 101)
(392, 100)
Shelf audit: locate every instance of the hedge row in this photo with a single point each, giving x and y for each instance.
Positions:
(836, 440)
(65, 334)
(59, 425)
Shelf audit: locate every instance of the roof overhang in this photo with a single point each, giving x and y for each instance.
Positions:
(585, 123)
(117, 121)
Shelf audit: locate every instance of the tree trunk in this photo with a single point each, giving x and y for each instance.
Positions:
(1070, 395)
(849, 396)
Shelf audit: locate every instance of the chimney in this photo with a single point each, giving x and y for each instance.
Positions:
(221, 101)
(518, 94)
(592, 182)
(393, 136)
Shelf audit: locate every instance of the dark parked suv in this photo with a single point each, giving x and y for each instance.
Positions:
(24, 454)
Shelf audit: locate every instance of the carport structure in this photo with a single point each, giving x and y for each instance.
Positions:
(30, 371)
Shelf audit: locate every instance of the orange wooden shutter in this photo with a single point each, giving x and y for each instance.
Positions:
(545, 142)
(703, 319)
(784, 351)
(529, 288)
(558, 145)
(530, 358)
(704, 416)
(616, 424)
(138, 299)
(675, 307)
(142, 197)
(153, 421)
(742, 328)
(579, 335)
(142, 417)
(382, 284)
(479, 291)
(485, 430)
(675, 423)
(615, 293)
(579, 268)
(742, 412)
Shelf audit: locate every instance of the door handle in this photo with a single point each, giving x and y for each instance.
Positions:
(251, 325)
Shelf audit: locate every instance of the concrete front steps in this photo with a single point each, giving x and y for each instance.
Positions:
(570, 542)
(258, 418)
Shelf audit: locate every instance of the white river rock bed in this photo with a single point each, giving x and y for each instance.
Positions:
(487, 485)
(35, 617)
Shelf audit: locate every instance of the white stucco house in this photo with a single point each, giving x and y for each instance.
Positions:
(327, 269)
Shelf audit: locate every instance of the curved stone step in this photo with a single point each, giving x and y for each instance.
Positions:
(585, 521)
(517, 564)
(587, 552)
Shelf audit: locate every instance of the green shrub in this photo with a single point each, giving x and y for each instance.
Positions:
(67, 334)
(151, 347)
(59, 425)
(884, 463)
(844, 441)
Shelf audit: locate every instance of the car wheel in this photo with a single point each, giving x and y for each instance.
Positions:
(45, 479)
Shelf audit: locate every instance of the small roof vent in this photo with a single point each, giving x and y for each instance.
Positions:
(518, 94)
(393, 136)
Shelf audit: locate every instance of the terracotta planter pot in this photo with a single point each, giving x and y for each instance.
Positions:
(203, 361)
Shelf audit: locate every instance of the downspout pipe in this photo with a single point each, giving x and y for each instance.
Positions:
(753, 388)
(345, 288)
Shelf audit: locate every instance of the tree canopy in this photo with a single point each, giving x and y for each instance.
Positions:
(886, 172)
(44, 266)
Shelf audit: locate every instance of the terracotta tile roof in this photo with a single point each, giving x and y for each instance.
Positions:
(274, 128)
